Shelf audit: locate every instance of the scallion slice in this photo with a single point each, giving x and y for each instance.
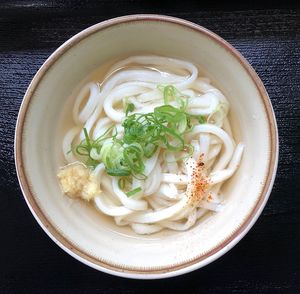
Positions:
(134, 191)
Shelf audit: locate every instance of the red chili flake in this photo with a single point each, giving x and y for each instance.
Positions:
(199, 182)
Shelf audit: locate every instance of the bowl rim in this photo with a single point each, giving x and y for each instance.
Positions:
(140, 273)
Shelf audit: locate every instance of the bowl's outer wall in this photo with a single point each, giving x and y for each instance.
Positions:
(77, 227)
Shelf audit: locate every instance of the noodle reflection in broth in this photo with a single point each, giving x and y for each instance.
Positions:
(151, 145)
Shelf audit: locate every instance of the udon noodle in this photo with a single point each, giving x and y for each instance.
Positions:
(177, 187)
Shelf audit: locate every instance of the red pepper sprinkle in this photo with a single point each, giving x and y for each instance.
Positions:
(199, 182)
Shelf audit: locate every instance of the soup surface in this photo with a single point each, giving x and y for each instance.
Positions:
(149, 144)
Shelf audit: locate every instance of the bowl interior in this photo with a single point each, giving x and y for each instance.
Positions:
(78, 225)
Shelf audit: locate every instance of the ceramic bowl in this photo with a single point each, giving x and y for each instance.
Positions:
(77, 227)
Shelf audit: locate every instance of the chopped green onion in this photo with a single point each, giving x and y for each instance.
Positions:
(117, 172)
(143, 135)
(130, 107)
(201, 119)
(171, 93)
(134, 191)
(86, 135)
(121, 183)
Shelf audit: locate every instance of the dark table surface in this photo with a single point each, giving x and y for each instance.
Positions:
(267, 260)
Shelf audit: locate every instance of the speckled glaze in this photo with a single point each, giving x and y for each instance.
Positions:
(76, 226)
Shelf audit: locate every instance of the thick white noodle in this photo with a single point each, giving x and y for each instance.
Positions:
(171, 163)
(149, 217)
(192, 218)
(92, 100)
(203, 105)
(168, 191)
(153, 181)
(166, 61)
(211, 206)
(175, 179)
(102, 125)
(110, 210)
(197, 151)
(67, 144)
(227, 142)
(204, 140)
(126, 201)
(144, 229)
(163, 201)
(223, 175)
(154, 204)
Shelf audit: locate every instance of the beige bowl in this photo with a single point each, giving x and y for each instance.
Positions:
(85, 233)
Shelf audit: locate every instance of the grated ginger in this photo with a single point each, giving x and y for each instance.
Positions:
(77, 181)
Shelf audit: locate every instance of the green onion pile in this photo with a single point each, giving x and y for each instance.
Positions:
(143, 134)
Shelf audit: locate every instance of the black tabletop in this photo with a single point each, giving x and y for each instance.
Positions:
(267, 260)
